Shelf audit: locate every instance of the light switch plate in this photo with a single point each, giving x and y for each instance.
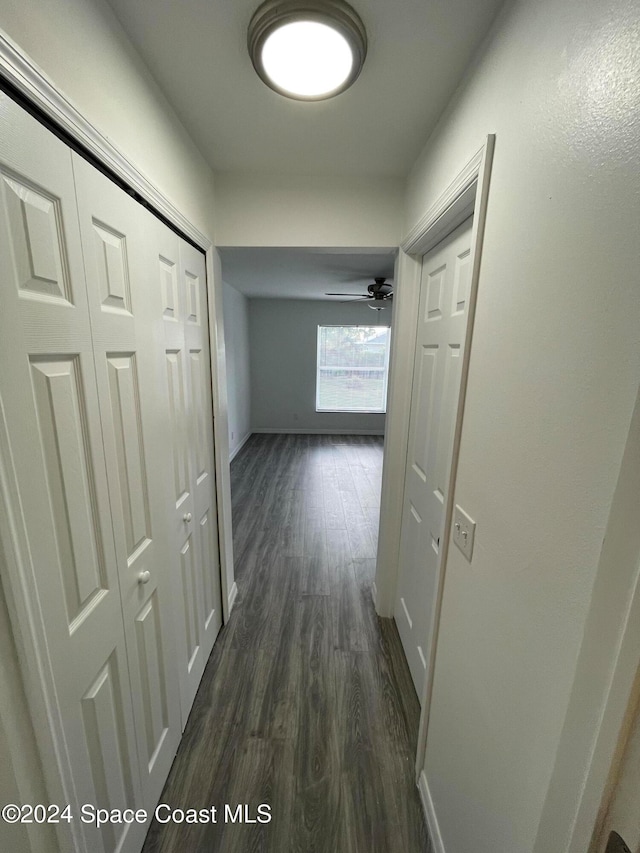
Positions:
(464, 532)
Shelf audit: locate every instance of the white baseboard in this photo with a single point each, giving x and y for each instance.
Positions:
(430, 814)
(234, 453)
(320, 431)
(233, 594)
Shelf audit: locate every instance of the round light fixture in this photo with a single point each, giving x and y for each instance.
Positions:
(307, 49)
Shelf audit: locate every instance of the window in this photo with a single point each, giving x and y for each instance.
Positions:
(353, 363)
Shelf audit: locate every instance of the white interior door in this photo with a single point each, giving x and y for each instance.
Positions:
(48, 394)
(124, 307)
(193, 515)
(442, 323)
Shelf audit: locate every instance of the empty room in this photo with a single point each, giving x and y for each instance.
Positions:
(319, 426)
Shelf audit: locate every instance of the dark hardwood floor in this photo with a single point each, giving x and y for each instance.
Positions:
(306, 703)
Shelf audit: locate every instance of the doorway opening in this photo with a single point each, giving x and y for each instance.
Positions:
(306, 357)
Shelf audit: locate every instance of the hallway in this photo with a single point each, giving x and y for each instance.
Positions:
(306, 703)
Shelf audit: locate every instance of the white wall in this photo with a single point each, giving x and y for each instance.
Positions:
(236, 336)
(599, 700)
(294, 210)
(283, 336)
(555, 365)
(81, 46)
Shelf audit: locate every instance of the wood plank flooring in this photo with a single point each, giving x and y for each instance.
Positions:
(306, 703)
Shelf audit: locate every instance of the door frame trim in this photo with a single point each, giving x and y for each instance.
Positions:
(466, 194)
(474, 195)
(455, 204)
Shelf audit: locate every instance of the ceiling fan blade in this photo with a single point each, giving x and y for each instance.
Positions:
(344, 301)
(359, 295)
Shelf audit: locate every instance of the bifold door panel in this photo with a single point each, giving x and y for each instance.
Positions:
(193, 539)
(50, 405)
(125, 308)
(110, 440)
(193, 274)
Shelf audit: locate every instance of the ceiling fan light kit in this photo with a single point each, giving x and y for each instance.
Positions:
(378, 294)
(308, 50)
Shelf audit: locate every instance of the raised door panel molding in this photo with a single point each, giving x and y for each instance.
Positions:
(192, 295)
(191, 622)
(424, 391)
(198, 397)
(175, 380)
(408, 615)
(210, 568)
(462, 283)
(112, 269)
(154, 682)
(62, 421)
(446, 422)
(125, 407)
(39, 255)
(169, 288)
(435, 293)
(105, 733)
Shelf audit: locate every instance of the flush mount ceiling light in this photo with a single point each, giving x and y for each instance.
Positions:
(307, 49)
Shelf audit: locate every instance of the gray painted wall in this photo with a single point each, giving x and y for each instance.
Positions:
(236, 339)
(283, 335)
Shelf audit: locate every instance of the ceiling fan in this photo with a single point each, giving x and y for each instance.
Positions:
(379, 292)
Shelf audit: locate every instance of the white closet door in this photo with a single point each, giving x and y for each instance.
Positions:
(193, 517)
(50, 411)
(125, 308)
(442, 322)
(194, 285)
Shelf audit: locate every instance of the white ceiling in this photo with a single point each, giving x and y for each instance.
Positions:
(304, 273)
(418, 50)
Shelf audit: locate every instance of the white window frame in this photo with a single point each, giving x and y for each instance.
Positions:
(380, 411)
